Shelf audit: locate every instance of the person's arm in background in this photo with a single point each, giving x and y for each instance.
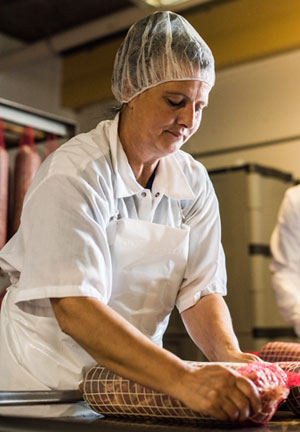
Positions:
(210, 327)
(285, 266)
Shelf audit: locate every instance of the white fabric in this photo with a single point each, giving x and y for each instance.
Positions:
(145, 285)
(159, 48)
(62, 247)
(285, 266)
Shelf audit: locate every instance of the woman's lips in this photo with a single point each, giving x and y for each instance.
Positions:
(176, 134)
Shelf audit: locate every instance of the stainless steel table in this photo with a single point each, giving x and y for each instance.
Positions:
(282, 422)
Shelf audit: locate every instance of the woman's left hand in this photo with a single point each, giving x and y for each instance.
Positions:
(242, 357)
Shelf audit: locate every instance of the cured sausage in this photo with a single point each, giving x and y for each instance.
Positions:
(4, 173)
(27, 162)
(51, 144)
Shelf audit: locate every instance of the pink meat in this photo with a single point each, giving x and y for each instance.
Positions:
(272, 384)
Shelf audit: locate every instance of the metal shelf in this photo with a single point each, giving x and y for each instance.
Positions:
(16, 116)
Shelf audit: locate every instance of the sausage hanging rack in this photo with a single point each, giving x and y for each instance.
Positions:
(17, 398)
(16, 116)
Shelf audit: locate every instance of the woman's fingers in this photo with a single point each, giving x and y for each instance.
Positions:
(242, 400)
(224, 394)
(242, 357)
(236, 410)
(233, 408)
(249, 389)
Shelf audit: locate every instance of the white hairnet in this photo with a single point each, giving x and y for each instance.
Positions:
(159, 48)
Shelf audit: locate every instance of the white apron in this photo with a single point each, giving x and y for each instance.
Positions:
(148, 262)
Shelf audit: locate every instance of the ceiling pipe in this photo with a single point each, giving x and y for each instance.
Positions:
(80, 35)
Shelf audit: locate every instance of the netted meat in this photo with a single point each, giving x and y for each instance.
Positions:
(109, 394)
(292, 370)
(280, 351)
(272, 384)
(287, 356)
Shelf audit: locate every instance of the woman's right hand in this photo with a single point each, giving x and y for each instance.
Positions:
(219, 392)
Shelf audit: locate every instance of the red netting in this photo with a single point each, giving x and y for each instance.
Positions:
(272, 384)
(292, 370)
(287, 356)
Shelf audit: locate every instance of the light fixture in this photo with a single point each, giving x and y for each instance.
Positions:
(174, 4)
(163, 3)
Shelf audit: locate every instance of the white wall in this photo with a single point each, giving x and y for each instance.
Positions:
(256, 104)
(88, 117)
(36, 84)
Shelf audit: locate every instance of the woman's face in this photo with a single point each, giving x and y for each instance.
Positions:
(167, 115)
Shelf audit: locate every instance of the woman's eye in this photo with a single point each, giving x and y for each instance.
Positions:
(174, 103)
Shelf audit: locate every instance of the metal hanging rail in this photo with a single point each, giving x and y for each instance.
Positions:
(25, 116)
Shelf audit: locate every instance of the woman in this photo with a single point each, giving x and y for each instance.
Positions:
(118, 226)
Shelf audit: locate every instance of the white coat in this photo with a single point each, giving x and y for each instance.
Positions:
(285, 266)
(86, 226)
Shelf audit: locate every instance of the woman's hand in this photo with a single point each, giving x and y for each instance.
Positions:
(222, 393)
(241, 357)
(213, 390)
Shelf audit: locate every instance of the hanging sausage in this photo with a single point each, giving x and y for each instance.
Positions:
(51, 144)
(4, 172)
(27, 162)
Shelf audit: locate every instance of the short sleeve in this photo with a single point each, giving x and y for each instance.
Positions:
(285, 240)
(205, 271)
(63, 231)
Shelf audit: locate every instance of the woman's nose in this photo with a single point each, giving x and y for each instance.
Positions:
(188, 117)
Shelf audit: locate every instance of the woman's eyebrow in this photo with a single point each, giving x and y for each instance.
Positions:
(176, 93)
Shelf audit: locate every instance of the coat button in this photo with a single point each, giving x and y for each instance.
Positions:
(157, 194)
(144, 194)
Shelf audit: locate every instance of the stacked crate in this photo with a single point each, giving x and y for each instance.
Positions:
(249, 197)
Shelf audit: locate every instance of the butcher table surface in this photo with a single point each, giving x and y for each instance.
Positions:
(281, 422)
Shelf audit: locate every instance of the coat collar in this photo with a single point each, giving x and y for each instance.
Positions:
(169, 178)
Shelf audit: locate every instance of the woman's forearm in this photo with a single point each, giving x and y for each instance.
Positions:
(209, 325)
(116, 344)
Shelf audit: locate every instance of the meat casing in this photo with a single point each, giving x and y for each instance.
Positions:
(27, 163)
